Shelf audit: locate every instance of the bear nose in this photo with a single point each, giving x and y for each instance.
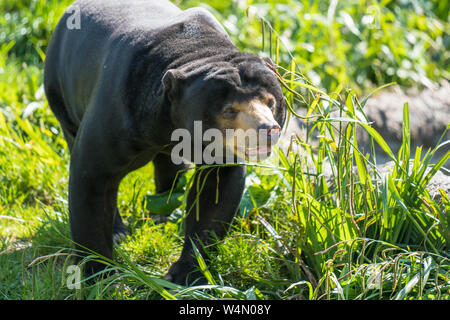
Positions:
(273, 130)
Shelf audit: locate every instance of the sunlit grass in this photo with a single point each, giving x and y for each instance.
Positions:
(304, 232)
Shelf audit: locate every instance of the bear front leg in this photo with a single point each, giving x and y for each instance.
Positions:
(93, 186)
(212, 202)
(92, 210)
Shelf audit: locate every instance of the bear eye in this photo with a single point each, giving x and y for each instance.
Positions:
(230, 112)
(271, 104)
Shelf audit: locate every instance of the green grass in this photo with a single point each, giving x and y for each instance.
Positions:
(357, 234)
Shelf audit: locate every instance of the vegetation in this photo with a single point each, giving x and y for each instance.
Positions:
(354, 233)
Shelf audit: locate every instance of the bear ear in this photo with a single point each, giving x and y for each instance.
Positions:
(171, 83)
(269, 61)
(270, 65)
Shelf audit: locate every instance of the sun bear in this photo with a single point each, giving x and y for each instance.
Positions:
(121, 80)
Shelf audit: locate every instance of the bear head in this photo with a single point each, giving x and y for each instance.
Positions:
(241, 98)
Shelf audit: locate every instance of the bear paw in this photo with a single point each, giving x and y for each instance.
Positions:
(185, 273)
